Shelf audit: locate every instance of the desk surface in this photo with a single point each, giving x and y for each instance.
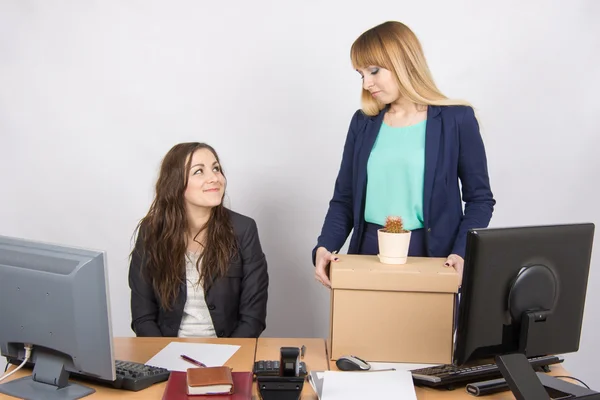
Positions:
(460, 393)
(316, 359)
(142, 349)
(424, 393)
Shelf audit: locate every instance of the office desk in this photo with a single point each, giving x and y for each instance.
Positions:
(315, 358)
(142, 349)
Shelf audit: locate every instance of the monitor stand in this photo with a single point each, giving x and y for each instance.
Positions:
(49, 381)
(530, 299)
(526, 384)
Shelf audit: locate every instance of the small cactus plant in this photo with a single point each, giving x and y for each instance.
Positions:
(394, 225)
(393, 241)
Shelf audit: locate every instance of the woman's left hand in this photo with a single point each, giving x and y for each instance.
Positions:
(457, 262)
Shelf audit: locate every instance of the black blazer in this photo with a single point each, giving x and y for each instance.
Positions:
(237, 302)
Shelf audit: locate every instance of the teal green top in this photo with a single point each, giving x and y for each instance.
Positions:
(396, 174)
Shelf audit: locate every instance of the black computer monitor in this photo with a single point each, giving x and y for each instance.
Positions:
(523, 295)
(54, 298)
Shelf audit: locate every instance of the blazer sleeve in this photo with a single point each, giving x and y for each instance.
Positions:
(144, 305)
(254, 288)
(473, 174)
(339, 219)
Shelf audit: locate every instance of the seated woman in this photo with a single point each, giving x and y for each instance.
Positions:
(197, 268)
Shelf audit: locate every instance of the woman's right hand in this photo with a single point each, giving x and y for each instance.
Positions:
(322, 260)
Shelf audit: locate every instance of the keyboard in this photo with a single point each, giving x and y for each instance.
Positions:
(129, 375)
(448, 376)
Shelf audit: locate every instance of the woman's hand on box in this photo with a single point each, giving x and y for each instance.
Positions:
(457, 262)
(322, 260)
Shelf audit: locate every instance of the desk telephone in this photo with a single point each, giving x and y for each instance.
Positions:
(282, 379)
(271, 368)
(290, 356)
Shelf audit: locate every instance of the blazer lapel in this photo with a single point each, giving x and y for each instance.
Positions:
(433, 132)
(371, 132)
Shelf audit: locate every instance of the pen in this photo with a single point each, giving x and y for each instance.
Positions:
(191, 360)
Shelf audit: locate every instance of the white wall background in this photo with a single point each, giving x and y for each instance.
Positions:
(93, 94)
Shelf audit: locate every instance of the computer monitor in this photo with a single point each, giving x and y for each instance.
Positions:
(523, 295)
(56, 299)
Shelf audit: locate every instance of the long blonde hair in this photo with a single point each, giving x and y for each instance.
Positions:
(393, 46)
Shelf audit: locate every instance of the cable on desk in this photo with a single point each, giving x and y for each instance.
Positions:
(575, 379)
(28, 348)
(5, 368)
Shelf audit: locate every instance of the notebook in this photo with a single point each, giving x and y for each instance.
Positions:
(209, 380)
(176, 388)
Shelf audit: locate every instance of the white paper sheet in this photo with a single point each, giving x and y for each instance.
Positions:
(213, 355)
(315, 378)
(339, 385)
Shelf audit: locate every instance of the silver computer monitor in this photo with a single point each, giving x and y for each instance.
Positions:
(56, 299)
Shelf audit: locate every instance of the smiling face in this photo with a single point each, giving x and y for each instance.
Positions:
(380, 83)
(206, 183)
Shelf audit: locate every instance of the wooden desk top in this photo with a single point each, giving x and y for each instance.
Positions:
(315, 358)
(142, 349)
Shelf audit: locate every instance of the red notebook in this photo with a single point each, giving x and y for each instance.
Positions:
(176, 388)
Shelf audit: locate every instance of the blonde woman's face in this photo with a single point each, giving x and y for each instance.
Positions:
(380, 82)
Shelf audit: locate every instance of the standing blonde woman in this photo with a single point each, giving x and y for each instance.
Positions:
(405, 153)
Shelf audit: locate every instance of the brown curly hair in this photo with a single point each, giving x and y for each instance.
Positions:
(162, 232)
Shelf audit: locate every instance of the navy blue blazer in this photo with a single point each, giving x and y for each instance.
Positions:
(453, 150)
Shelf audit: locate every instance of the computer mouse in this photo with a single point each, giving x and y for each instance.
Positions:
(352, 363)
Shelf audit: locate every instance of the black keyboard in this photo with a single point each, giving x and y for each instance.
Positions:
(129, 375)
(449, 376)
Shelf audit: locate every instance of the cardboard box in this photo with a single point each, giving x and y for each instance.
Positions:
(392, 313)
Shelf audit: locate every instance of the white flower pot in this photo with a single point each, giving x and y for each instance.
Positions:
(393, 247)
